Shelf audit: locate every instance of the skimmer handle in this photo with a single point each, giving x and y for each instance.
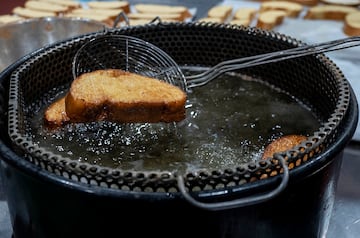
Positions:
(241, 202)
(272, 57)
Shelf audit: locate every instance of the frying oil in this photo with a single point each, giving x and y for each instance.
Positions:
(229, 122)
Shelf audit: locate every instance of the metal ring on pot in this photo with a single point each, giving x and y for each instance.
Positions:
(241, 202)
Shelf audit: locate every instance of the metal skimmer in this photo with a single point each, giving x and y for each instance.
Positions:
(138, 56)
(130, 54)
(235, 64)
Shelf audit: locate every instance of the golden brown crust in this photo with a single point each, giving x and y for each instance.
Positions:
(46, 6)
(4, 19)
(241, 22)
(211, 20)
(152, 16)
(68, 3)
(124, 5)
(329, 12)
(120, 96)
(55, 115)
(245, 13)
(307, 2)
(302, 2)
(108, 13)
(30, 13)
(163, 9)
(220, 11)
(353, 3)
(269, 19)
(352, 24)
(292, 9)
(282, 144)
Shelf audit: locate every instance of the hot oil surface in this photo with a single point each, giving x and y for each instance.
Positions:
(229, 122)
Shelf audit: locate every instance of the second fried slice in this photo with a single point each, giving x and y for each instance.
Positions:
(120, 96)
(282, 144)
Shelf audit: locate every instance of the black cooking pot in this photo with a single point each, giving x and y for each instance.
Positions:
(50, 197)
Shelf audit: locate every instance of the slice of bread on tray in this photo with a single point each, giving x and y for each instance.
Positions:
(220, 11)
(106, 16)
(152, 16)
(269, 19)
(353, 3)
(123, 5)
(110, 13)
(282, 144)
(245, 13)
(46, 6)
(31, 13)
(292, 9)
(329, 12)
(211, 20)
(182, 11)
(7, 18)
(307, 2)
(241, 22)
(70, 4)
(118, 96)
(352, 24)
(302, 2)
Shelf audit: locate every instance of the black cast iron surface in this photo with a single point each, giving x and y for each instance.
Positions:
(345, 219)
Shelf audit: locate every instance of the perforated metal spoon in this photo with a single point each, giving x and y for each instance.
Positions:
(235, 64)
(129, 54)
(138, 56)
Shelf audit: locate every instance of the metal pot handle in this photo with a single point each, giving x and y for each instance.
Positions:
(242, 202)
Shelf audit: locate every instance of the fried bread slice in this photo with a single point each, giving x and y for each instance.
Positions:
(282, 144)
(123, 5)
(9, 18)
(55, 115)
(292, 9)
(245, 13)
(162, 9)
(352, 24)
(68, 3)
(353, 3)
(269, 19)
(220, 11)
(118, 96)
(30, 13)
(46, 6)
(152, 16)
(329, 12)
(211, 19)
